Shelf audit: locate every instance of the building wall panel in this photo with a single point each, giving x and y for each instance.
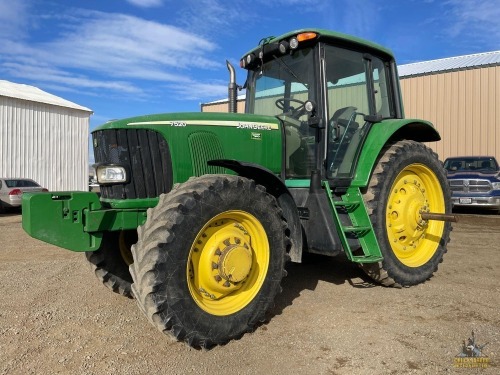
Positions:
(222, 107)
(464, 107)
(46, 143)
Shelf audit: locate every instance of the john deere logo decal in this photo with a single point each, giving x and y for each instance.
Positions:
(257, 136)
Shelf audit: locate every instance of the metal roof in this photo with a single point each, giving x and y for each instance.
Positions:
(450, 64)
(34, 94)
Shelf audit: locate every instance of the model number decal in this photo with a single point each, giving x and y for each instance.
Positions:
(177, 123)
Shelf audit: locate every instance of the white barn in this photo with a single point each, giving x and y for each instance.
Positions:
(43, 137)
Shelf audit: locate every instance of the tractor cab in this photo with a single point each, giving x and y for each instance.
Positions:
(327, 90)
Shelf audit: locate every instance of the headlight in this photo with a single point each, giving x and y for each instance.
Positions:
(496, 185)
(107, 174)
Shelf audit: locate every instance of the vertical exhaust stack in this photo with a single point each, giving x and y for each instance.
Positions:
(232, 89)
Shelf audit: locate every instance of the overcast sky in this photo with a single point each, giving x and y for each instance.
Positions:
(122, 58)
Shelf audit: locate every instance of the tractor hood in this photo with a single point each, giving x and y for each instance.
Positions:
(188, 143)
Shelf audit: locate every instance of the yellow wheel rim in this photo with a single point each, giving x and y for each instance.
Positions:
(228, 262)
(124, 247)
(415, 190)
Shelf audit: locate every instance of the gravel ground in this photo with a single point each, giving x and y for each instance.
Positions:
(56, 318)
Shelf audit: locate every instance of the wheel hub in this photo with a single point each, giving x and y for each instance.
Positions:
(415, 191)
(235, 262)
(226, 260)
(407, 201)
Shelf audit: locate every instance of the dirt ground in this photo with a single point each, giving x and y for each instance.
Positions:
(56, 318)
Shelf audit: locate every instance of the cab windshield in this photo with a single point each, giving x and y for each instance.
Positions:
(280, 88)
(289, 79)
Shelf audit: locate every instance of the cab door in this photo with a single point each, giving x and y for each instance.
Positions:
(357, 95)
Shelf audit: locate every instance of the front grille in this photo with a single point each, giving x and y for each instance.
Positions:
(470, 186)
(145, 154)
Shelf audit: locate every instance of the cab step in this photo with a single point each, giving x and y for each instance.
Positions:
(352, 207)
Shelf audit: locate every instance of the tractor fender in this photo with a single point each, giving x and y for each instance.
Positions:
(276, 187)
(388, 131)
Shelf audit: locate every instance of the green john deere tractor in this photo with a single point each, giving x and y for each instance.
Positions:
(198, 213)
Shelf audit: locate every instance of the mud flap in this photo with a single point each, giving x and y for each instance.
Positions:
(59, 218)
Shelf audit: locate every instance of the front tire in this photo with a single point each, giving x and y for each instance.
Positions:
(210, 259)
(408, 179)
(111, 262)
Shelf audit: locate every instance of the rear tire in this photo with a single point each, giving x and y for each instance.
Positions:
(408, 179)
(111, 262)
(210, 259)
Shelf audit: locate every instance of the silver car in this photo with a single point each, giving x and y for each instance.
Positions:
(11, 190)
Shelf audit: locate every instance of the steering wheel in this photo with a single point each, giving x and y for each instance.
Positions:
(294, 112)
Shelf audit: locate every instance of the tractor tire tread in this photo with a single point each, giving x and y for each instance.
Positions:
(151, 257)
(385, 272)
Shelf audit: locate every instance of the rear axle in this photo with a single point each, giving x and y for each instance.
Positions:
(438, 217)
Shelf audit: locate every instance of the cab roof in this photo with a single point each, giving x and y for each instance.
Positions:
(329, 36)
